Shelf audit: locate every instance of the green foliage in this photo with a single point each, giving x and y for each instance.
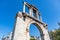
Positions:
(32, 39)
(55, 35)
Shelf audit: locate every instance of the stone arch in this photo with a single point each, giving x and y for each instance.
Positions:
(22, 28)
(24, 20)
(39, 29)
(38, 25)
(34, 31)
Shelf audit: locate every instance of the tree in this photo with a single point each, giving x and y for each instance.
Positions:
(32, 39)
(55, 35)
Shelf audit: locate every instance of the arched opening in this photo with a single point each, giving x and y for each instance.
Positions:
(34, 32)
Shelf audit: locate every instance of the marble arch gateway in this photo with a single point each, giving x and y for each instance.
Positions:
(24, 20)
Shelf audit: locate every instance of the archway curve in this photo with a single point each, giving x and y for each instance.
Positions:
(39, 27)
(34, 30)
(36, 24)
(43, 31)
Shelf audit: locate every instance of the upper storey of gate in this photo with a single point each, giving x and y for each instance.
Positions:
(31, 10)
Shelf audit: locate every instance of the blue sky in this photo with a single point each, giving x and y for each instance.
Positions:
(50, 11)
